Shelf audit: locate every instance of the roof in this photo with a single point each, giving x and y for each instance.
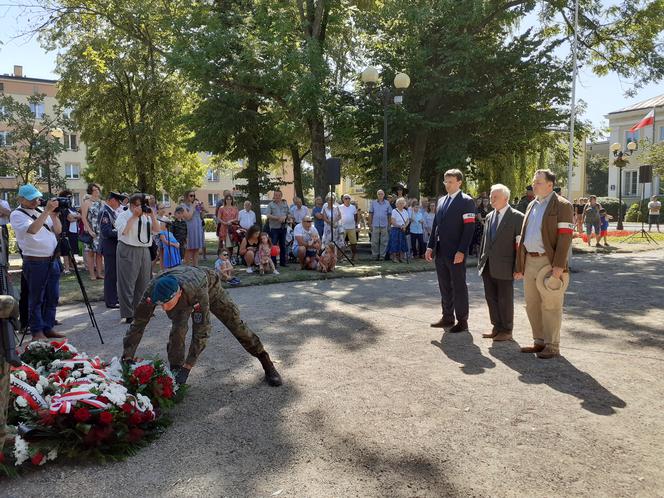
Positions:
(24, 78)
(646, 104)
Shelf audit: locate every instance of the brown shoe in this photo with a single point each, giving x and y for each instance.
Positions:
(491, 335)
(503, 336)
(442, 323)
(52, 334)
(548, 352)
(535, 348)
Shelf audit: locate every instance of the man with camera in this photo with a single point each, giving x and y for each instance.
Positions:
(135, 228)
(36, 232)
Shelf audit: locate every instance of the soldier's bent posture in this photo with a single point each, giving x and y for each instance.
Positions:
(187, 291)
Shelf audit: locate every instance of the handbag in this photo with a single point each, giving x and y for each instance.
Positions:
(407, 230)
(86, 238)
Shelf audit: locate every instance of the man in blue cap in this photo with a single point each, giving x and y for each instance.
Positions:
(36, 231)
(183, 292)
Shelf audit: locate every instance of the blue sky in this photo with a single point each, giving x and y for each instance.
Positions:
(602, 95)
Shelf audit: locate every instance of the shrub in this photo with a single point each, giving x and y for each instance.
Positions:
(210, 225)
(633, 213)
(611, 204)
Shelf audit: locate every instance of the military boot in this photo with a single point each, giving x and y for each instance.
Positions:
(271, 375)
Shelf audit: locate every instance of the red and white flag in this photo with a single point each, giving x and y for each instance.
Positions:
(648, 120)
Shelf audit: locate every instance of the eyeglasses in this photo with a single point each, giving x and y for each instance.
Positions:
(192, 195)
(224, 254)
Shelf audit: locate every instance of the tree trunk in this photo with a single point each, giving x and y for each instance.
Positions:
(297, 170)
(317, 134)
(419, 150)
(253, 186)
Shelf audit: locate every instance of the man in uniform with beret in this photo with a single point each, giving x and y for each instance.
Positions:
(184, 292)
(109, 244)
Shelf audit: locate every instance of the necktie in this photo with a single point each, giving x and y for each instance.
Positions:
(446, 204)
(494, 225)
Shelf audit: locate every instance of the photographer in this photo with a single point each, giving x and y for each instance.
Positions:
(36, 235)
(135, 228)
(108, 237)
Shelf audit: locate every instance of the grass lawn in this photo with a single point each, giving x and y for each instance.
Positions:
(364, 267)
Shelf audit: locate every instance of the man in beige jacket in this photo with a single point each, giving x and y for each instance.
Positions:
(546, 237)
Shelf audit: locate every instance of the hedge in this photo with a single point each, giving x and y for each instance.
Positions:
(644, 210)
(611, 205)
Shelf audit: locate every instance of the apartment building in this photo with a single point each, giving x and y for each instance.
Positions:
(620, 123)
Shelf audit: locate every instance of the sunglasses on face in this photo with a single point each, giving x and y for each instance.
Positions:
(224, 254)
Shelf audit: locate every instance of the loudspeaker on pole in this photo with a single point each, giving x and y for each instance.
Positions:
(333, 171)
(645, 173)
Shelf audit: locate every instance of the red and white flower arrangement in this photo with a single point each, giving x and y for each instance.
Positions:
(64, 403)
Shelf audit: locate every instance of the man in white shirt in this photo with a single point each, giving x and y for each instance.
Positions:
(36, 233)
(654, 206)
(135, 229)
(306, 244)
(349, 223)
(298, 210)
(247, 217)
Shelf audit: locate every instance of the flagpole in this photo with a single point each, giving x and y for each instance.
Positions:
(572, 118)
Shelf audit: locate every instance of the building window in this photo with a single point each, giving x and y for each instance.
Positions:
(213, 175)
(72, 171)
(5, 139)
(76, 199)
(631, 182)
(632, 136)
(6, 195)
(70, 142)
(213, 199)
(37, 109)
(661, 133)
(165, 200)
(67, 112)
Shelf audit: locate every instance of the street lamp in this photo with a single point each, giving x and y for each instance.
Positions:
(620, 162)
(371, 78)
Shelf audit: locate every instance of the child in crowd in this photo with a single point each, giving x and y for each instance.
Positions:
(169, 248)
(179, 230)
(604, 219)
(265, 262)
(328, 259)
(224, 267)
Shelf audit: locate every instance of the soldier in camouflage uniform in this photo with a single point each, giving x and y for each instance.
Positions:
(8, 309)
(187, 291)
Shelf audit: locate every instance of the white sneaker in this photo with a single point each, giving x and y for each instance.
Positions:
(250, 270)
(276, 272)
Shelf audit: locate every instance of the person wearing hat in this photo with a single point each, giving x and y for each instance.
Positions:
(109, 244)
(306, 243)
(497, 259)
(36, 231)
(184, 292)
(542, 263)
(526, 200)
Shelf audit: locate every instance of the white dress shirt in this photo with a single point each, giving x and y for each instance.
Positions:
(41, 244)
(247, 219)
(451, 196)
(131, 239)
(501, 214)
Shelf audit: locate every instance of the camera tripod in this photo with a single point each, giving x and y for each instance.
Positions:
(62, 239)
(641, 233)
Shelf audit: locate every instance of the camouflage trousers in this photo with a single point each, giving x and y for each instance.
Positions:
(221, 306)
(4, 398)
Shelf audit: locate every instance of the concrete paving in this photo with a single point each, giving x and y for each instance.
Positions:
(377, 403)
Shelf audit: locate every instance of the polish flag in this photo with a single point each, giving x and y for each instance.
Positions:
(648, 120)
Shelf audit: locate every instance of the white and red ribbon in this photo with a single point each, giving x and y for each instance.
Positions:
(29, 393)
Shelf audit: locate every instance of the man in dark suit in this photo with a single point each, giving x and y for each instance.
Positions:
(109, 243)
(451, 235)
(498, 261)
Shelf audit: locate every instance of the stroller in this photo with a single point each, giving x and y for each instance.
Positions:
(237, 235)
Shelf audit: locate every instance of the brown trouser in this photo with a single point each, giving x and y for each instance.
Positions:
(545, 317)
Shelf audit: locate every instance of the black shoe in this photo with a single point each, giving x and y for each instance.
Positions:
(461, 326)
(182, 375)
(271, 375)
(175, 368)
(57, 322)
(443, 323)
(113, 306)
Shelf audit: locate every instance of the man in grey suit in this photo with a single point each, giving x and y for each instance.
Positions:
(497, 262)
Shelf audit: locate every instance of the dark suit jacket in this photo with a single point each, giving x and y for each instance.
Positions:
(501, 252)
(453, 231)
